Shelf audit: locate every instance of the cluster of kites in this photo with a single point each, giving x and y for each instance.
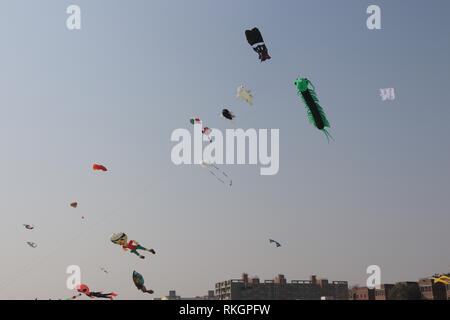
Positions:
(83, 289)
(120, 239)
(316, 116)
(305, 89)
(30, 243)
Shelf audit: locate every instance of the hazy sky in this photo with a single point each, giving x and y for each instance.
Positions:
(113, 93)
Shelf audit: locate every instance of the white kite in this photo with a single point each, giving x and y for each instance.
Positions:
(244, 94)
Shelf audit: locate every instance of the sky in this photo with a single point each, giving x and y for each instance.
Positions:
(114, 91)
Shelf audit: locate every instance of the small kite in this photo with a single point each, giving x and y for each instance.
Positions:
(132, 245)
(256, 40)
(28, 226)
(227, 114)
(104, 270)
(207, 133)
(75, 205)
(32, 244)
(441, 279)
(99, 167)
(221, 176)
(195, 121)
(276, 242)
(205, 130)
(316, 115)
(138, 280)
(244, 94)
(84, 289)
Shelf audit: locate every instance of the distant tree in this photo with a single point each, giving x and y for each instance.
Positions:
(403, 291)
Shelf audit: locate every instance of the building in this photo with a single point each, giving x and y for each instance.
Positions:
(362, 293)
(412, 285)
(279, 289)
(382, 293)
(448, 292)
(432, 290)
(336, 290)
(173, 296)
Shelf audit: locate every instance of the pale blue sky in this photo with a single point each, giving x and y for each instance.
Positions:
(113, 93)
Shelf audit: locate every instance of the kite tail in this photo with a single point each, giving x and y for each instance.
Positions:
(328, 135)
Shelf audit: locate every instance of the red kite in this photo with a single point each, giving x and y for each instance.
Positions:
(99, 167)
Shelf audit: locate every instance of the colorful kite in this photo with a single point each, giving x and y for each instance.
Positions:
(441, 279)
(256, 40)
(244, 94)
(132, 245)
(138, 280)
(84, 289)
(205, 130)
(99, 167)
(195, 121)
(207, 133)
(316, 115)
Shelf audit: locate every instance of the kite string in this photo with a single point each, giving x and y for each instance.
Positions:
(208, 166)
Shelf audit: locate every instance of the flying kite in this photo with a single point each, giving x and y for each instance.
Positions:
(441, 279)
(195, 121)
(227, 114)
(316, 115)
(28, 226)
(205, 130)
(255, 39)
(32, 244)
(104, 270)
(207, 133)
(244, 94)
(84, 289)
(132, 245)
(138, 280)
(276, 242)
(221, 176)
(99, 167)
(75, 205)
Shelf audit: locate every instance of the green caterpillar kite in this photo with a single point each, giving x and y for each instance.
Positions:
(316, 115)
